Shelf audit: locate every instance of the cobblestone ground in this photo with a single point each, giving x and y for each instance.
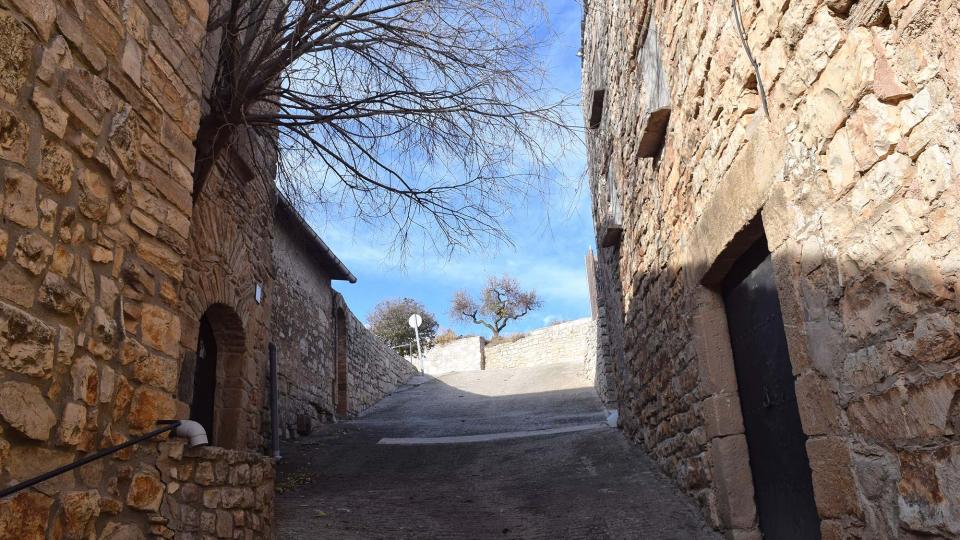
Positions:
(581, 484)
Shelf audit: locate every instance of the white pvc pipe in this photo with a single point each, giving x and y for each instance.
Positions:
(193, 432)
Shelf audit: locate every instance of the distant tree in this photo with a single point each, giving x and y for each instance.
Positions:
(500, 302)
(388, 321)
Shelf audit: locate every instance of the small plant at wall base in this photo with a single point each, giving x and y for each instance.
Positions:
(388, 321)
(501, 301)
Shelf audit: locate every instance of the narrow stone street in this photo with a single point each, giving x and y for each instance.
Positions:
(520, 453)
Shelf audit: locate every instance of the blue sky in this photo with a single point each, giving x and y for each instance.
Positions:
(550, 234)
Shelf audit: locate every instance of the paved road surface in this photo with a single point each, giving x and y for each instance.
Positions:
(488, 454)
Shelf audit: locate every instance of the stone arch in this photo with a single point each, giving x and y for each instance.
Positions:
(228, 260)
(219, 394)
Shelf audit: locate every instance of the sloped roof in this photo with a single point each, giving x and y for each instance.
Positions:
(316, 247)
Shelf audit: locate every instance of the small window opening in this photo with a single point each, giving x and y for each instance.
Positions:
(596, 108)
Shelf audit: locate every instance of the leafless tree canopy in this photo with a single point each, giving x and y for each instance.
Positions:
(427, 114)
(501, 301)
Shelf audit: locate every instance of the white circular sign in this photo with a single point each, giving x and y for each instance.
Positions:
(415, 321)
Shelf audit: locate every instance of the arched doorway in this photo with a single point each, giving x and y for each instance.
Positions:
(219, 395)
(203, 404)
(341, 361)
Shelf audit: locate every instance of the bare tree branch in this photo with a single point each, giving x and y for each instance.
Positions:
(501, 301)
(428, 116)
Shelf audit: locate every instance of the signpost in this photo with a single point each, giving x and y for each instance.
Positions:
(415, 321)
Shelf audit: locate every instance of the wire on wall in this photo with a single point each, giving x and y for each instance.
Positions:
(746, 47)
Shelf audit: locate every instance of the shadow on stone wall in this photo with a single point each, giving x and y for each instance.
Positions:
(874, 340)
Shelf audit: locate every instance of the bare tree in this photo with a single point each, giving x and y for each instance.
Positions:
(501, 301)
(425, 114)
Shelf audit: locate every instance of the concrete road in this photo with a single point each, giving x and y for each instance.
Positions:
(488, 454)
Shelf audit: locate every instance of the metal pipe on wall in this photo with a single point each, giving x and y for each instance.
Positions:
(274, 403)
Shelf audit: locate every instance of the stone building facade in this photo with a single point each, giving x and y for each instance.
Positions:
(303, 322)
(100, 105)
(838, 209)
(330, 365)
(124, 300)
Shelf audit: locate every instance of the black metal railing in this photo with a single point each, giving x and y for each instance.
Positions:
(168, 425)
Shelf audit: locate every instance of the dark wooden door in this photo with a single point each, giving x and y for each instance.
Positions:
(776, 442)
(205, 379)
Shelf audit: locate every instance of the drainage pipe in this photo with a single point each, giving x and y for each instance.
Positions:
(274, 403)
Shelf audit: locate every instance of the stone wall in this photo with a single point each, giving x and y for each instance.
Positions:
(853, 177)
(573, 341)
(374, 369)
(465, 354)
(212, 492)
(228, 256)
(99, 105)
(303, 332)
(604, 381)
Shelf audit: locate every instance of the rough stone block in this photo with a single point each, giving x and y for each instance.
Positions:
(72, 423)
(925, 494)
(146, 491)
(20, 196)
(158, 371)
(733, 482)
(33, 252)
(819, 412)
(147, 406)
(26, 343)
(161, 256)
(52, 115)
(22, 406)
(80, 510)
(25, 516)
(722, 416)
(16, 46)
(833, 486)
(86, 380)
(161, 329)
(849, 72)
(904, 412)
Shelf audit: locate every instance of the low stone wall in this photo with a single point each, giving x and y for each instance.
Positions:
(574, 341)
(163, 490)
(464, 354)
(206, 492)
(375, 370)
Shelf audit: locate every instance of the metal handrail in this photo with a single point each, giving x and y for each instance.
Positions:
(168, 425)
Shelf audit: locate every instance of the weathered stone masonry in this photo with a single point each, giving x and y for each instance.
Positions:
(374, 369)
(100, 105)
(303, 313)
(853, 177)
(307, 316)
(110, 272)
